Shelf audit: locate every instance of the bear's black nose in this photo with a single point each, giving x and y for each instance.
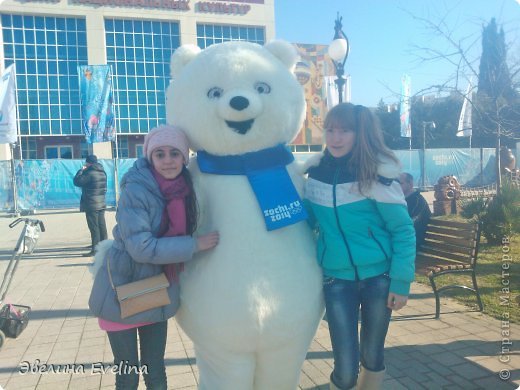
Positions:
(239, 103)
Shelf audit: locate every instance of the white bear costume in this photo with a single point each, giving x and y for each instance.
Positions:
(252, 304)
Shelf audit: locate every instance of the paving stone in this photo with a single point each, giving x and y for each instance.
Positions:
(417, 355)
(437, 380)
(462, 383)
(85, 382)
(393, 384)
(495, 383)
(17, 381)
(459, 351)
(439, 368)
(470, 371)
(409, 383)
(181, 381)
(449, 359)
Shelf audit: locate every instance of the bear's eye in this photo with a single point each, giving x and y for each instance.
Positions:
(262, 87)
(215, 93)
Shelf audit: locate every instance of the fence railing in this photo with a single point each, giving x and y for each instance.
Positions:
(47, 184)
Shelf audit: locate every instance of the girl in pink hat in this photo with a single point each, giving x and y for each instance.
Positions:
(156, 218)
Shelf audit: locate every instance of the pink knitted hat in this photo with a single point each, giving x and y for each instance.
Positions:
(166, 135)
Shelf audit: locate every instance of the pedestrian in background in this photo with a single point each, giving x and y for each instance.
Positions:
(366, 242)
(417, 207)
(92, 179)
(156, 218)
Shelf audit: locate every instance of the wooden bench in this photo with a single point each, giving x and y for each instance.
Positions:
(450, 248)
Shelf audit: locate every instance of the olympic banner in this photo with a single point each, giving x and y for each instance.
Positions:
(8, 123)
(465, 128)
(95, 82)
(406, 126)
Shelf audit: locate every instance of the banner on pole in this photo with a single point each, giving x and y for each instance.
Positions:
(406, 126)
(8, 123)
(95, 83)
(465, 128)
(332, 93)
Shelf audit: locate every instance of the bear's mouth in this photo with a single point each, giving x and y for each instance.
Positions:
(241, 127)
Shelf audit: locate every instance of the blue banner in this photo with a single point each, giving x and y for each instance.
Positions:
(410, 162)
(465, 164)
(48, 184)
(95, 82)
(6, 186)
(123, 165)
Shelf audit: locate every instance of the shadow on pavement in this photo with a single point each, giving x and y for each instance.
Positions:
(47, 253)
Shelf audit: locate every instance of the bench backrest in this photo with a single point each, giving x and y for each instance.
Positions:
(450, 242)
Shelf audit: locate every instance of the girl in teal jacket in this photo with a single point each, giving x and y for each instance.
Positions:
(366, 241)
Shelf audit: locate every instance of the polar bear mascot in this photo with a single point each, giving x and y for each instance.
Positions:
(251, 305)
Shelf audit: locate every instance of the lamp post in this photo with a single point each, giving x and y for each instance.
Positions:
(338, 52)
(430, 124)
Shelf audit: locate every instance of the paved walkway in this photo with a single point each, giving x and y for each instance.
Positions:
(462, 350)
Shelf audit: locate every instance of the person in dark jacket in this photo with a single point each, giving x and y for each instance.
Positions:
(417, 207)
(93, 182)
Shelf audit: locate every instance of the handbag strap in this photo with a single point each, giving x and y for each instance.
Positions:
(110, 274)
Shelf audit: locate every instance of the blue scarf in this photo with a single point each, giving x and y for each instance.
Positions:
(274, 190)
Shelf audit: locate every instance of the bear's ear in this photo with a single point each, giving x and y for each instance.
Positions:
(284, 51)
(181, 56)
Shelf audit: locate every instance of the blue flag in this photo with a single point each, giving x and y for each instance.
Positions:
(95, 82)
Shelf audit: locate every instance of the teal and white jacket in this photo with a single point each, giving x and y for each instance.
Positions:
(360, 235)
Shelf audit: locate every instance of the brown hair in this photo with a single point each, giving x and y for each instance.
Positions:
(369, 146)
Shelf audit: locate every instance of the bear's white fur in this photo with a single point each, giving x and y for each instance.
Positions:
(252, 304)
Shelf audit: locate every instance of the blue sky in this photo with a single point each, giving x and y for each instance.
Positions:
(384, 34)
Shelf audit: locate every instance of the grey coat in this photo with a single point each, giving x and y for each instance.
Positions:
(136, 253)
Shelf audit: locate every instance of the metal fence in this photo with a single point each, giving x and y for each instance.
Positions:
(48, 184)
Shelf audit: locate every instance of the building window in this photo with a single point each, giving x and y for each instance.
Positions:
(208, 34)
(58, 151)
(29, 150)
(139, 52)
(139, 151)
(122, 147)
(46, 52)
(83, 148)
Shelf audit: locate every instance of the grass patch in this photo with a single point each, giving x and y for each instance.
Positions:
(497, 303)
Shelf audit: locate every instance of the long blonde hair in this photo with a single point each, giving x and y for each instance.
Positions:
(369, 147)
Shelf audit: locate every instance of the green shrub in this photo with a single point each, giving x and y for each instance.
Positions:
(473, 208)
(500, 216)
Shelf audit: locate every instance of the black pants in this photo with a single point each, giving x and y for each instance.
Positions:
(97, 226)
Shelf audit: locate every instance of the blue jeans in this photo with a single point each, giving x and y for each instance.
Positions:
(343, 298)
(152, 343)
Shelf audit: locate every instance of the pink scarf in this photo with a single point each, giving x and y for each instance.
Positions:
(173, 222)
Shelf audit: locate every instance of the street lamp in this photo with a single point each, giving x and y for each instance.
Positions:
(430, 124)
(338, 52)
